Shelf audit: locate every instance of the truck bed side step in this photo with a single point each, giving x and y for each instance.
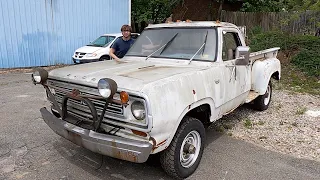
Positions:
(251, 96)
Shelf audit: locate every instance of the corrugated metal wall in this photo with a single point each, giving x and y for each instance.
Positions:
(46, 32)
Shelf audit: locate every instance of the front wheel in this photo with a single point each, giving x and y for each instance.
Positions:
(183, 155)
(104, 58)
(262, 102)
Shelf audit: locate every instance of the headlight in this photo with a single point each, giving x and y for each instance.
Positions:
(91, 54)
(107, 87)
(138, 110)
(39, 75)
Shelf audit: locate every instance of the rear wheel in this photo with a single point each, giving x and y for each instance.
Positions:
(104, 58)
(262, 102)
(183, 155)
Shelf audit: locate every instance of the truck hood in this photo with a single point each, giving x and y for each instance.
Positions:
(88, 49)
(134, 75)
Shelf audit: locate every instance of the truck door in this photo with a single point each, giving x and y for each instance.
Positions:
(236, 78)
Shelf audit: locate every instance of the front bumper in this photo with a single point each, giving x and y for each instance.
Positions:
(109, 145)
(79, 61)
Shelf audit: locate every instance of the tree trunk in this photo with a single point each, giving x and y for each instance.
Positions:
(220, 9)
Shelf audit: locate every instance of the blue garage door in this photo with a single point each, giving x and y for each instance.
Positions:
(46, 32)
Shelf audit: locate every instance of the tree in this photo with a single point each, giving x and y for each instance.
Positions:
(152, 10)
(280, 5)
(303, 5)
(263, 5)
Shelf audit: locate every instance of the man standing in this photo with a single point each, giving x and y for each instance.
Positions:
(122, 45)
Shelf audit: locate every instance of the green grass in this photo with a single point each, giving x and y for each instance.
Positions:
(248, 123)
(292, 78)
(301, 110)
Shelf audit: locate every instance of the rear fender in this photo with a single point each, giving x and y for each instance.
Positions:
(262, 70)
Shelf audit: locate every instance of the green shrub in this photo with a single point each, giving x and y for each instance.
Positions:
(268, 40)
(304, 48)
(308, 61)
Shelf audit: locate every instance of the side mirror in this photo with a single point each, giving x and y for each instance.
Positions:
(242, 55)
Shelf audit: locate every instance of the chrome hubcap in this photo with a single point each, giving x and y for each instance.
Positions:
(268, 93)
(190, 149)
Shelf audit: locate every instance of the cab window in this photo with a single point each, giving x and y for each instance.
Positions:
(230, 42)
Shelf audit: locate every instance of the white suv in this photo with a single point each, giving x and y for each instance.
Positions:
(98, 50)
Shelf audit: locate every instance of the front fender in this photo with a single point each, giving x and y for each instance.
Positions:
(214, 116)
(262, 72)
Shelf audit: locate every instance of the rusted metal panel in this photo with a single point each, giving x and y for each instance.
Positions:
(46, 32)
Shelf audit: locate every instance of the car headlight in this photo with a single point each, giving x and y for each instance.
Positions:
(91, 54)
(39, 76)
(107, 87)
(138, 110)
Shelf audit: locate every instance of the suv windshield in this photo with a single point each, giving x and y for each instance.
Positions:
(102, 41)
(177, 43)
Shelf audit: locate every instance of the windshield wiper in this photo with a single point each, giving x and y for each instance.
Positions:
(202, 46)
(168, 43)
(205, 42)
(164, 46)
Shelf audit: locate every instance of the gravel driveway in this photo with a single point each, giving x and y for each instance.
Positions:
(291, 125)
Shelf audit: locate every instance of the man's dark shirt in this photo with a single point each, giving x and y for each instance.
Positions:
(121, 47)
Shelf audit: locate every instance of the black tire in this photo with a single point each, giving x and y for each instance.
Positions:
(104, 58)
(170, 158)
(262, 102)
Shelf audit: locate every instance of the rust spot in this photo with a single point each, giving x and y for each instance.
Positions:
(158, 145)
(161, 143)
(125, 155)
(76, 138)
(193, 91)
(189, 107)
(113, 143)
(75, 93)
(154, 143)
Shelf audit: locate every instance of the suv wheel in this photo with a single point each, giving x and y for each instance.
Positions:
(104, 58)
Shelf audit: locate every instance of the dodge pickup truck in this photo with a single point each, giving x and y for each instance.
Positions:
(175, 80)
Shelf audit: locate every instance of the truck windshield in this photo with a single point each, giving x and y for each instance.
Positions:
(102, 41)
(177, 43)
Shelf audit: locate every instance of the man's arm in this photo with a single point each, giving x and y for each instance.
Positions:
(111, 53)
(113, 50)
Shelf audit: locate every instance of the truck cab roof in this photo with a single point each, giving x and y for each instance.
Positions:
(191, 24)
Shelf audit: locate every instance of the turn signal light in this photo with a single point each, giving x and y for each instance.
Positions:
(139, 133)
(124, 97)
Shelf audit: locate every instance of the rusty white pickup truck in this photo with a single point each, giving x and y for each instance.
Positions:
(176, 79)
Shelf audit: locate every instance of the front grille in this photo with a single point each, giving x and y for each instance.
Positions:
(79, 54)
(78, 108)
